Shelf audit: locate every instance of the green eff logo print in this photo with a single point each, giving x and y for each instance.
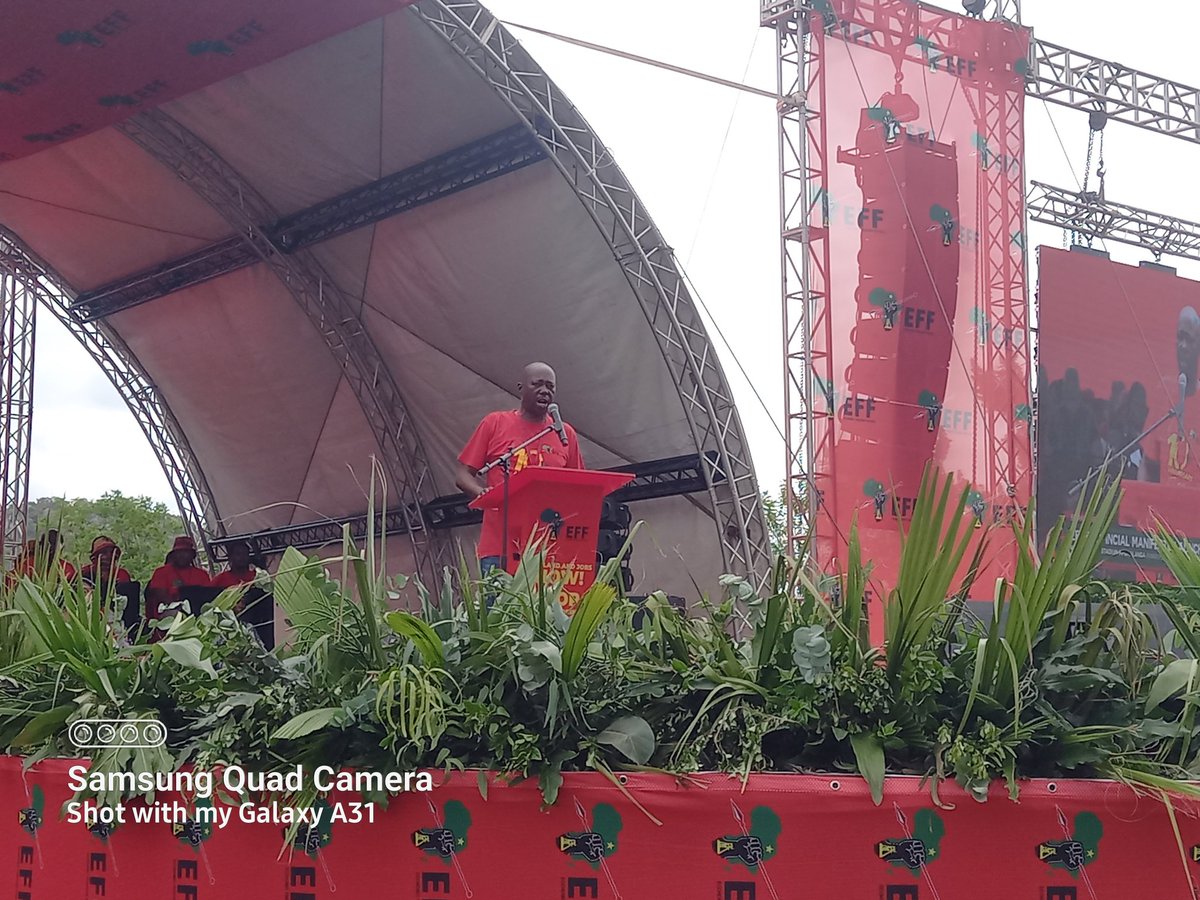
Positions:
(1079, 847)
(593, 844)
(445, 840)
(919, 846)
(448, 836)
(757, 841)
(597, 838)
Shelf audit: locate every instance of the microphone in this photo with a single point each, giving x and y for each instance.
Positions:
(1183, 383)
(556, 422)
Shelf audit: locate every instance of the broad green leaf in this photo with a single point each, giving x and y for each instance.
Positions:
(428, 644)
(43, 725)
(1077, 679)
(631, 736)
(1170, 681)
(308, 722)
(548, 652)
(594, 606)
(187, 652)
(868, 752)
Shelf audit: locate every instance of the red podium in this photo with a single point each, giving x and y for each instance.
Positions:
(561, 506)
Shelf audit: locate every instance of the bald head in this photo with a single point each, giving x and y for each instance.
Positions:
(1187, 346)
(536, 388)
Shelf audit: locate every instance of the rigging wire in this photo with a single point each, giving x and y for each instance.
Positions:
(714, 80)
(103, 216)
(721, 153)
(646, 60)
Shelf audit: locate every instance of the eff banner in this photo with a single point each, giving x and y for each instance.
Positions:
(778, 837)
(68, 69)
(919, 339)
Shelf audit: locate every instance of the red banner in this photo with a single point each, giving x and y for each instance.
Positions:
(919, 342)
(779, 837)
(67, 69)
(1118, 350)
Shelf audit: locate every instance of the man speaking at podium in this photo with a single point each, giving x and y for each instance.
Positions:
(505, 430)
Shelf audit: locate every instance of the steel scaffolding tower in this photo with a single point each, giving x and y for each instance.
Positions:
(1055, 74)
(18, 315)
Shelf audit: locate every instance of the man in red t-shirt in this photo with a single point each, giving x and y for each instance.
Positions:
(500, 432)
(39, 559)
(179, 571)
(240, 571)
(103, 571)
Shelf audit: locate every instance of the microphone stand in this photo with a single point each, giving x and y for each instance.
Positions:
(1176, 413)
(502, 461)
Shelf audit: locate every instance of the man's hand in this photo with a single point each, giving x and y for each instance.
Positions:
(467, 480)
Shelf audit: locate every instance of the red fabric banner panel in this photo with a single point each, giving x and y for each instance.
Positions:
(67, 69)
(1119, 348)
(919, 342)
(778, 837)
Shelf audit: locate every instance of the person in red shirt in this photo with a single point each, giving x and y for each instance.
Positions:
(40, 557)
(500, 432)
(179, 571)
(240, 571)
(103, 569)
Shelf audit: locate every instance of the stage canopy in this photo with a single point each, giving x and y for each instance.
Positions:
(299, 235)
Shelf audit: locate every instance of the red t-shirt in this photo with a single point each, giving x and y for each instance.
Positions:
(88, 574)
(28, 567)
(230, 578)
(170, 579)
(496, 434)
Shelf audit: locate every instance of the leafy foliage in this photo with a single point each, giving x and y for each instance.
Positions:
(1066, 676)
(141, 526)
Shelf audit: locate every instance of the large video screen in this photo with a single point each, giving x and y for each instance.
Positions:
(1118, 351)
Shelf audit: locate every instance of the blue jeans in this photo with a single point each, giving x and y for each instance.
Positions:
(486, 564)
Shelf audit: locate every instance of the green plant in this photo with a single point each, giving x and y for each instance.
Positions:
(1065, 676)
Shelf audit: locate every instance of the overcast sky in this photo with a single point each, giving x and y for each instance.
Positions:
(703, 159)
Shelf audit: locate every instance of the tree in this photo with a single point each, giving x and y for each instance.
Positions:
(775, 512)
(141, 526)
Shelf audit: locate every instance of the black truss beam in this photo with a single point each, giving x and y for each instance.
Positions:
(670, 477)
(451, 172)
(185, 271)
(448, 173)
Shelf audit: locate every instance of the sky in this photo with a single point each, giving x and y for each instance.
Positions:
(703, 159)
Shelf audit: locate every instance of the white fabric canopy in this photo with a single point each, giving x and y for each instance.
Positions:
(457, 295)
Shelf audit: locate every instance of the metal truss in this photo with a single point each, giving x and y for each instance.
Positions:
(149, 408)
(316, 534)
(327, 307)
(479, 38)
(1097, 217)
(18, 319)
(1080, 81)
(805, 253)
(772, 11)
(450, 172)
(1002, 354)
(1008, 10)
(175, 275)
(461, 168)
(671, 477)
